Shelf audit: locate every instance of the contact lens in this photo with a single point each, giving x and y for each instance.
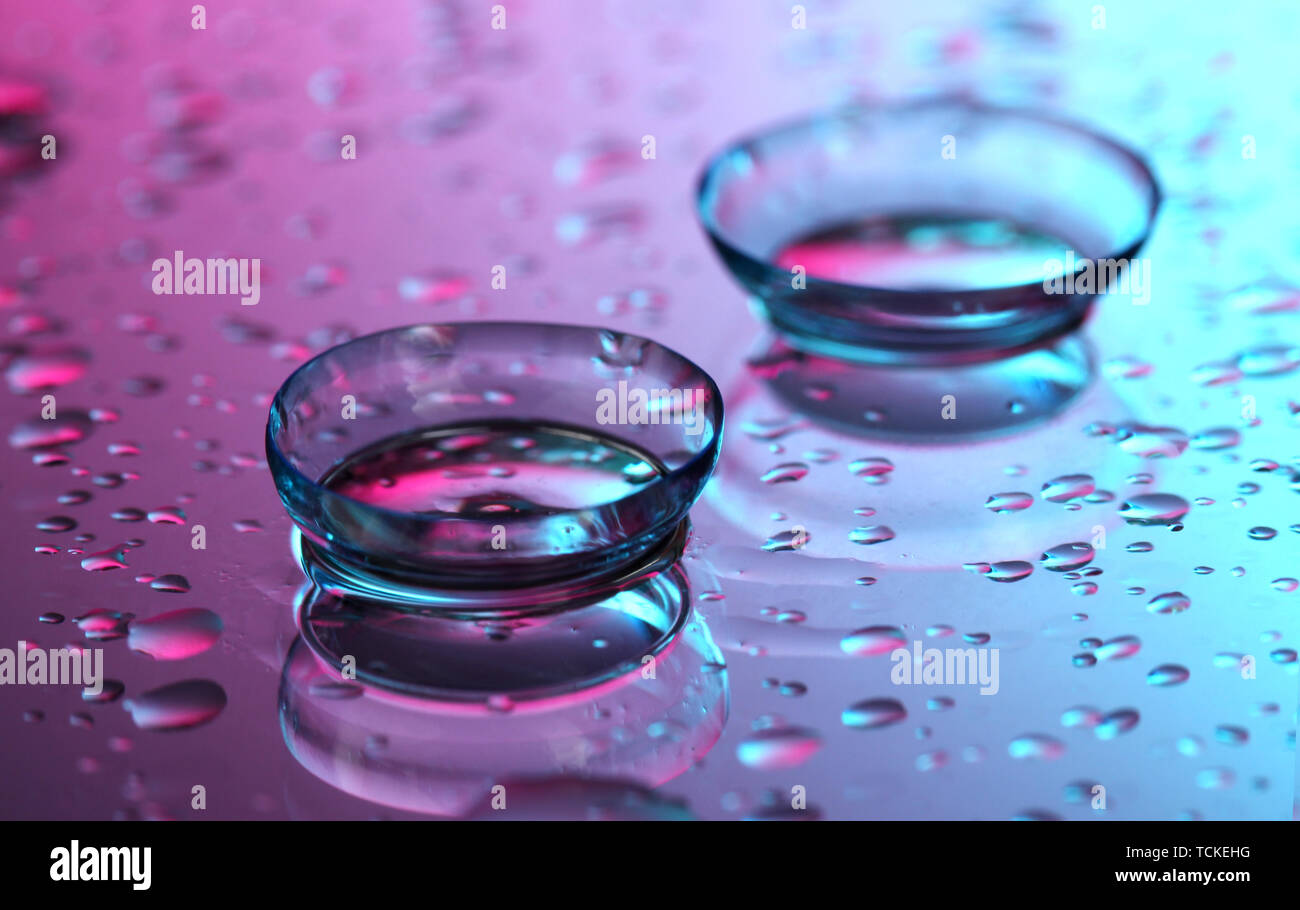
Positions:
(436, 464)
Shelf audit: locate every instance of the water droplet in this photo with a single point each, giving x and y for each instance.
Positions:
(105, 560)
(1151, 442)
(1231, 736)
(1154, 509)
(872, 534)
(67, 428)
(1116, 723)
(779, 747)
(170, 584)
(597, 224)
(1067, 487)
(110, 690)
(433, 287)
(1009, 571)
(1126, 367)
(41, 371)
(784, 541)
(103, 625)
(785, 473)
(1215, 778)
(872, 470)
(873, 713)
(1168, 675)
(177, 706)
(1269, 360)
(1067, 556)
(1036, 746)
(873, 641)
(175, 635)
(167, 515)
(1171, 602)
(1003, 503)
(594, 162)
(1081, 716)
(1119, 648)
(931, 761)
(771, 428)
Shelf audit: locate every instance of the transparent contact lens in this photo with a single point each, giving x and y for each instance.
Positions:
(437, 464)
(907, 253)
(928, 232)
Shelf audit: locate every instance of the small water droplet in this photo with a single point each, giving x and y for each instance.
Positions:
(873, 714)
(778, 747)
(1116, 723)
(1004, 503)
(785, 473)
(1168, 675)
(170, 584)
(1036, 746)
(1171, 602)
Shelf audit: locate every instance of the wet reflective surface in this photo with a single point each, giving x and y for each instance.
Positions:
(141, 518)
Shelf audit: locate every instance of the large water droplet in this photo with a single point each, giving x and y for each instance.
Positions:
(175, 635)
(1002, 503)
(1067, 556)
(872, 534)
(1067, 487)
(1009, 570)
(873, 641)
(177, 706)
(1154, 509)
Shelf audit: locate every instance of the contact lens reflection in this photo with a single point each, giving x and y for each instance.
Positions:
(927, 403)
(921, 449)
(428, 712)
